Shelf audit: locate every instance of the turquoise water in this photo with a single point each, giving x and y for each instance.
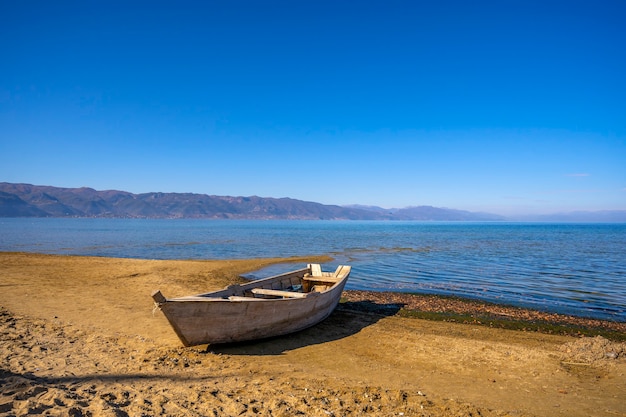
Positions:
(577, 269)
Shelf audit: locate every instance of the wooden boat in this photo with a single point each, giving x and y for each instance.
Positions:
(259, 309)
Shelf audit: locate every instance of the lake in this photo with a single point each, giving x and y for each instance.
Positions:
(577, 269)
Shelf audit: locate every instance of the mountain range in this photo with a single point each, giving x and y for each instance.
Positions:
(27, 200)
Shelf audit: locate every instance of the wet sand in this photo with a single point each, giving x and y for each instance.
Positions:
(79, 337)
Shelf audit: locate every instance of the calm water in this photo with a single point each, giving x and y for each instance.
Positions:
(577, 269)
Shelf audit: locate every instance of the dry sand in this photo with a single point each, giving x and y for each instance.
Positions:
(79, 338)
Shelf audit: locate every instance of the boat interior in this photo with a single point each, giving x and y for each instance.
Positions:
(301, 283)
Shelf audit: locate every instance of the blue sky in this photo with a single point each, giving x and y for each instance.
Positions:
(502, 106)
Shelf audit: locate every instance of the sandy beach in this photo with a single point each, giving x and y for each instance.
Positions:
(80, 337)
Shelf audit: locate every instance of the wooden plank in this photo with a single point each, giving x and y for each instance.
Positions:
(322, 279)
(158, 297)
(269, 280)
(342, 271)
(316, 270)
(193, 298)
(318, 288)
(279, 293)
(245, 299)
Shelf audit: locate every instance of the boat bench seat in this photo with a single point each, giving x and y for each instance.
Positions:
(330, 280)
(318, 284)
(317, 275)
(318, 281)
(278, 293)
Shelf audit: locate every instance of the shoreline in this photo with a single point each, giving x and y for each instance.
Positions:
(79, 337)
(476, 312)
(426, 306)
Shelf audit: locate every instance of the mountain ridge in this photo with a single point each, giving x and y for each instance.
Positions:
(27, 200)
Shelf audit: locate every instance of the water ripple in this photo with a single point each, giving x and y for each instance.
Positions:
(566, 268)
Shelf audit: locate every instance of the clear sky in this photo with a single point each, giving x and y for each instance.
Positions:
(502, 106)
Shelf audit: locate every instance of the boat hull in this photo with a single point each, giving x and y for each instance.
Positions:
(226, 317)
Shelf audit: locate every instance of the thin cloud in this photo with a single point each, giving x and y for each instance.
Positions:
(574, 191)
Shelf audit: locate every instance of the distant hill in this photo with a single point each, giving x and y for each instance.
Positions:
(602, 216)
(427, 213)
(442, 214)
(26, 200)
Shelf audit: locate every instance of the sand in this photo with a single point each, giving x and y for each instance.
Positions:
(79, 337)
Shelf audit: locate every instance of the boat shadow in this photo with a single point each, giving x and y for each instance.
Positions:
(348, 318)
